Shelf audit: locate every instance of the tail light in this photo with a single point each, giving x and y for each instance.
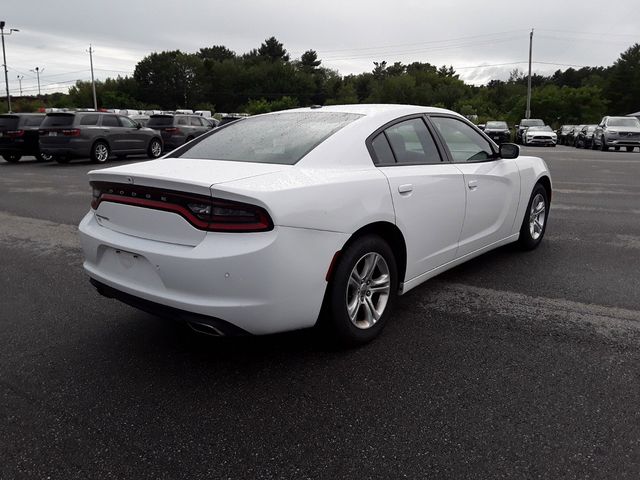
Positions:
(71, 132)
(201, 211)
(171, 130)
(15, 133)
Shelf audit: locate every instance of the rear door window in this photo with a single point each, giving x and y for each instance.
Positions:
(382, 150)
(160, 121)
(195, 122)
(110, 121)
(89, 120)
(412, 143)
(182, 121)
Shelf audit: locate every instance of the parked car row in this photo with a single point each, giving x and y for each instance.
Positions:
(63, 136)
(611, 132)
(530, 131)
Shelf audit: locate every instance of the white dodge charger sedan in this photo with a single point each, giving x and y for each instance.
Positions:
(309, 216)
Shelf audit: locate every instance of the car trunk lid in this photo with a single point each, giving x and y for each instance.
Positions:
(165, 189)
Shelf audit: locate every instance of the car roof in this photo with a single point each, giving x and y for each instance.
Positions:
(373, 109)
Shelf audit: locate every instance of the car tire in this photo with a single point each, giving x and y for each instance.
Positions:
(351, 306)
(62, 159)
(100, 152)
(12, 157)
(603, 144)
(534, 223)
(155, 148)
(629, 149)
(43, 157)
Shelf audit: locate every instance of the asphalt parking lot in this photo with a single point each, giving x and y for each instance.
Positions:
(514, 365)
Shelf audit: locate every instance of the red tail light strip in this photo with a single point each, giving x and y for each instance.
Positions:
(218, 215)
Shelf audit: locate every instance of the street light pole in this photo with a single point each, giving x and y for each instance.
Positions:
(4, 58)
(20, 77)
(93, 82)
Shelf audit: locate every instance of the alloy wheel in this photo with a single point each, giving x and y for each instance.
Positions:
(537, 216)
(368, 290)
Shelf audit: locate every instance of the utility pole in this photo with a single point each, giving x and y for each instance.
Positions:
(4, 58)
(20, 77)
(38, 71)
(528, 112)
(93, 82)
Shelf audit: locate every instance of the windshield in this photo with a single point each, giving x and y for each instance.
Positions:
(282, 138)
(8, 123)
(58, 120)
(160, 121)
(623, 122)
(530, 122)
(544, 128)
(496, 126)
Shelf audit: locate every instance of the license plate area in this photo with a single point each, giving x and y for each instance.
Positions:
(53, 134)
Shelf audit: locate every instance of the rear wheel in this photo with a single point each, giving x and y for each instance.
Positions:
(155, 148)
(100, 152)
(12, 157)
(535, 219)
(362, 291)
(629, 149)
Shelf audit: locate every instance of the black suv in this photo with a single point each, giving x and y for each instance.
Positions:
(96, 135)
(19, 136)
(498, 131)
(524, 124)
(178, 129)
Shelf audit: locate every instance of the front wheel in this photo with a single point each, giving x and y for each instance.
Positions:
(362, 291)
(12, 157)
(603, 144)
(155, 148)
(100, 152)
(535, 219)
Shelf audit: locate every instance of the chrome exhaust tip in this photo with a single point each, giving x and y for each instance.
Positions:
(205, 329)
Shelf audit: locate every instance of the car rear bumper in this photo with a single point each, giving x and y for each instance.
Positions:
(73, 147)
(260, 283)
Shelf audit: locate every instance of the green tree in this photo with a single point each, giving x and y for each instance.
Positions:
(272, 49)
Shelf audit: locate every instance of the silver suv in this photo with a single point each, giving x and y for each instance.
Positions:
(617, 132)
(96, 135)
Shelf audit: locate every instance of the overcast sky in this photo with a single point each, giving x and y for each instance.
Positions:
(483, 40)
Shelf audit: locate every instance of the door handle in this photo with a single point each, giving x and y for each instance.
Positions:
(473, 184)
(406, 188)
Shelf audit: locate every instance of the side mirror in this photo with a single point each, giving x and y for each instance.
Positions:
(509, 150)
(138, 125)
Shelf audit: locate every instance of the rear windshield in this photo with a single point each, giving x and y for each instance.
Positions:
(623, 122)
(32, 120)
(496, 125)
(531, 122)
(58, 120)
(160, 121)
(8, 123)
(282, 138)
